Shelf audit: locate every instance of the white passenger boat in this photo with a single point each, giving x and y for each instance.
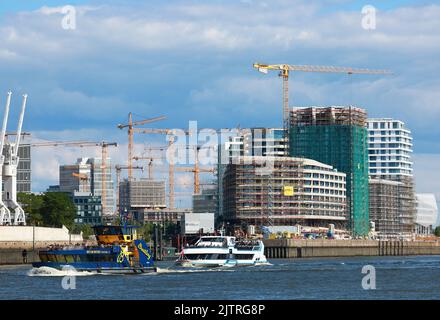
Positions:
(222, 251)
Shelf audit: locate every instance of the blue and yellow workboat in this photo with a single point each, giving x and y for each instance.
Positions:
(119, 250)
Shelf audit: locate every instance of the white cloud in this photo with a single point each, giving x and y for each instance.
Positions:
(194, 61)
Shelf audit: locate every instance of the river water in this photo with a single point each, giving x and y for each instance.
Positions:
(323, 278)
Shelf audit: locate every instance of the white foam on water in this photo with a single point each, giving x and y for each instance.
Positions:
(264, 264)
(51, 272)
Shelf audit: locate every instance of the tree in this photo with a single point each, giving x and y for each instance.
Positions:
(86, 229)
(437, 231)
(147, 231)
(58, 209)
(31, 204)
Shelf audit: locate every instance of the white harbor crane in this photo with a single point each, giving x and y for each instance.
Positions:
(8, 163)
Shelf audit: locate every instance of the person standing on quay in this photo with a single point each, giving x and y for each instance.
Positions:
(24, 255)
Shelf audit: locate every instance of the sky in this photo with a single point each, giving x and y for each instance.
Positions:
(192, 60)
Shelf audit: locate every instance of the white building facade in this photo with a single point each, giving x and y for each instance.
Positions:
(389, 149)
(427, 213)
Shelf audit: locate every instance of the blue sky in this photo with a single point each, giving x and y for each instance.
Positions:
(192, 60)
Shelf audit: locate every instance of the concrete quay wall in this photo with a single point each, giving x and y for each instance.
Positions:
(290, 248)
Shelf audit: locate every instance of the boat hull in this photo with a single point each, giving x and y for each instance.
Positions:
(218, 264)
(104, 269)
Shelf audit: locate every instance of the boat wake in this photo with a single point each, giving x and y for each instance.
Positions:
(51, 272)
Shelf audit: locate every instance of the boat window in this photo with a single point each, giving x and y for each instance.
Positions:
(69, 258)
(43, 257)
(196, 256)
(51, 258)
(108, 230)
(244, 256)
(83, 258)
(61, 258)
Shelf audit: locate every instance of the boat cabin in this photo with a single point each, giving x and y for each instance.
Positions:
(213, 241)
(109, 235)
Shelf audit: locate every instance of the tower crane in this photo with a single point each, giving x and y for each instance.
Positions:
(104, 151)
(150, 163)
(130, 125)
(285, 69)
(196, 170)
(169, 132)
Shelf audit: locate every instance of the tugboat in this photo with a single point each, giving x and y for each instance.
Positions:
(222, 251)
(119, 250)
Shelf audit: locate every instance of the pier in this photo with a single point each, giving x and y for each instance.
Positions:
(290, 248)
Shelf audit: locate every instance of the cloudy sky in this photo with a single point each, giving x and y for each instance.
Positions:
(192, 60)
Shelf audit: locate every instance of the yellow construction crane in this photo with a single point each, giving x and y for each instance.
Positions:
(150, 164)
(170, 161)
(80, 176)
(196, 170)
(284, 70)
(104, 145)
(130, 126)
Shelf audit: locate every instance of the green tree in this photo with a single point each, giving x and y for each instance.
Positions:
(147, 231)
(58, 209)
(171, 230)
(32, 204)
(86, 229)
(437, 231)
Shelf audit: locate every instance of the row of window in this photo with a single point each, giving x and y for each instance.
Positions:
(216, 256)
(385, 125)
(390, 139)
(388, 151)
(388, 171)
(69, 258)
(388, 145)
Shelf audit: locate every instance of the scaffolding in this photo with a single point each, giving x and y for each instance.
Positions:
(337, 136)
(393, 206)
(294, 191)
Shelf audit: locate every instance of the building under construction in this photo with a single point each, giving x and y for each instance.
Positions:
(336, 136)
(283, 191)
(391, 178)
(138, 196)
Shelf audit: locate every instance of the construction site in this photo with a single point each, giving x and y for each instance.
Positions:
(291, 191)
(337, 136)
(312, 172)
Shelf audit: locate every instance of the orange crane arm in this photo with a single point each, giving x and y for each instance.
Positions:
(80, 176)
(141, 122)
